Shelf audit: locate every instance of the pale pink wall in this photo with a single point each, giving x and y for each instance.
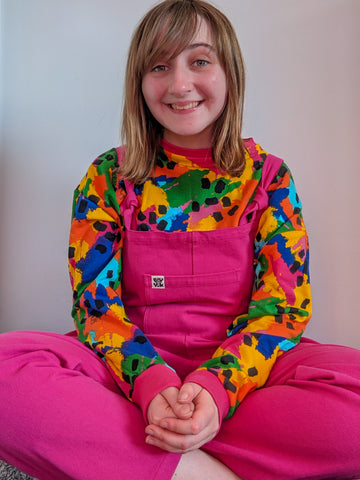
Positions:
(62, 75)
(303, 103)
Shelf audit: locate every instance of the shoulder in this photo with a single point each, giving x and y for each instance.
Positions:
(102, 183)
(269, 166)
(105, 168)
(109, 160)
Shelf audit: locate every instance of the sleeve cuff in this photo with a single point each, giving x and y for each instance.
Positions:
(212, 384)
(151, 382)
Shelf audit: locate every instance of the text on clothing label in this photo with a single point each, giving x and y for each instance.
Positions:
(157, 281)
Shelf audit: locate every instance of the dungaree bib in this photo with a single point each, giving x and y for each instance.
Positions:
(183, 289)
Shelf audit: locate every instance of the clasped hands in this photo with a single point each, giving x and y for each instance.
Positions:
(182, 420)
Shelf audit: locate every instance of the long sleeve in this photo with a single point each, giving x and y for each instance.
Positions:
(96, 241)
(280, 305)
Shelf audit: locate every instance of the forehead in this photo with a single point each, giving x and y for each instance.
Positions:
(202, 38)
(170, 42)
(203, 33)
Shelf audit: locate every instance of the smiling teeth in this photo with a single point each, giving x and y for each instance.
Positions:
(184, 107)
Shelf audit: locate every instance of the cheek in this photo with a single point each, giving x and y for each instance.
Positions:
(224, 86)
(217, 86)
(219, 91)
(145, 88)
(151, 90)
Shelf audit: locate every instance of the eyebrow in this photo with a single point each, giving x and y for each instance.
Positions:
(192, 46)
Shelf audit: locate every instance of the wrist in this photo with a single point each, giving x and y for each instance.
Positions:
(212, 384)
(151, 382)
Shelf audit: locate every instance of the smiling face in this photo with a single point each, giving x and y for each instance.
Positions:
(187, 94)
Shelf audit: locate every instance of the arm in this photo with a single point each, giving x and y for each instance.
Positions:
(96, 242)
(280, 306)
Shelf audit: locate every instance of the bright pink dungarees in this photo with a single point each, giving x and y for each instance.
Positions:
(183, 289)
(62, 416)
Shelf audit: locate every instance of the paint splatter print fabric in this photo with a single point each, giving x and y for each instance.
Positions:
(188, 193)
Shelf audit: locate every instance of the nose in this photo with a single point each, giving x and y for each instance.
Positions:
(180, 81)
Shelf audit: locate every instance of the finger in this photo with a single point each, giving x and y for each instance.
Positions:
(173, 442)
(203, 420)
(184, 410)
(188, 392)
(159, 408)
(184, 407)
(178, 426)
(170, 394)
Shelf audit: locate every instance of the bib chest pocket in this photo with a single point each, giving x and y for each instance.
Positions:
(203, 305)
(184, 289)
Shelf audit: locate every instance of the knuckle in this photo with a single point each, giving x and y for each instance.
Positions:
(156, 419)
(184, 445)
(195, 428)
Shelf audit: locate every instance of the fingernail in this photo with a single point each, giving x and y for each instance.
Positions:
(149, 431)
(164, 424)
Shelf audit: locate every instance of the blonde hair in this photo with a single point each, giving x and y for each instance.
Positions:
(170, 27)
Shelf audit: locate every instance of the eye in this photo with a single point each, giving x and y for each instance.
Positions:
(159, 68)
(201, 63)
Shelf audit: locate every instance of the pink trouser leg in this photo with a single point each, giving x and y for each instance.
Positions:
(305, 424)
(63, 418)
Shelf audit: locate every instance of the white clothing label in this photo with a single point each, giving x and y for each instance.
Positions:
(157, 281)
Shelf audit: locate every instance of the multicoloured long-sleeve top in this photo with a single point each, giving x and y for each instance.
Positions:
(172, 201)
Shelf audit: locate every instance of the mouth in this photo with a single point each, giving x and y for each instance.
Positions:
(176, 106)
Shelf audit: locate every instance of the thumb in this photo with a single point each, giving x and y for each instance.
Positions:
(188, 392)
(184, 406)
